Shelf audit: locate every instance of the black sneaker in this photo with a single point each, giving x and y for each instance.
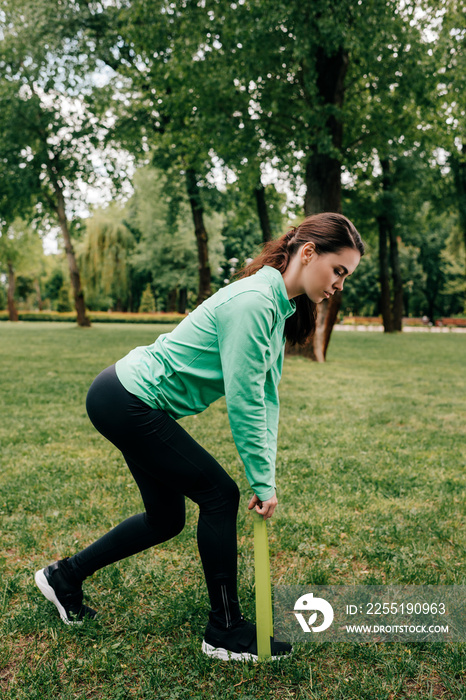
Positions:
(239, 643)
(68, 598)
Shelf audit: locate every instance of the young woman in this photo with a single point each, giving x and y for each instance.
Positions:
(232, 345)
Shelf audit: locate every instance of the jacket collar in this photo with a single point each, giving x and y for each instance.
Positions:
(286, 306)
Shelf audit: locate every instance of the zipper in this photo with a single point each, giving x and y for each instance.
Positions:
(226, 607)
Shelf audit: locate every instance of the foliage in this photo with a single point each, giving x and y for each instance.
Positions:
(54, 282)
(64, 298)
(361, 291)
(441, 287)
(147, 301)
(97, 317)
(104, 259)
(231, 90)
(22, 262)
(46, 130)
(450, 70)
(20, 248)
(241, 233)
(165, 253)
(46, 139)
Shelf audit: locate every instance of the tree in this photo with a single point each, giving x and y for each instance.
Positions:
(32, 272)
(289, 74)
(242, 238)
(450, 71)
(443, 280)
(104, 259)
(391, 137)
(18, 243)
(165, 254)
(241, 85)
(147, 301)
(304, 70)
(47, 132)
(151, 49)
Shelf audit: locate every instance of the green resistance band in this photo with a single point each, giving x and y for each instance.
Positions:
(264, 620)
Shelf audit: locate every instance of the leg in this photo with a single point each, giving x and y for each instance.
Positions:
(167, 464)
(163, 519)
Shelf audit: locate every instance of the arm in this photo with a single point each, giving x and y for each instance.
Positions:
(244, 325)
(267, 508)
(272, 403)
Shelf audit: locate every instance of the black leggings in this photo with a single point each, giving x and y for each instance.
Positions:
(167, 465)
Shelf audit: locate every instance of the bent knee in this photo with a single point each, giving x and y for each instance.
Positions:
(227, 497)
(168, 528)
(233, 493)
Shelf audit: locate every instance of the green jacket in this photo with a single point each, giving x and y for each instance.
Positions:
(231, 345)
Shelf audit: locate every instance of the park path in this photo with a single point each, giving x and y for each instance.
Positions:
(406, 329)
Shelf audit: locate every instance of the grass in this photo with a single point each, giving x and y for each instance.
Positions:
(371, 488)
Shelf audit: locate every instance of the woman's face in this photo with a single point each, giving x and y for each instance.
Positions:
(323, 275)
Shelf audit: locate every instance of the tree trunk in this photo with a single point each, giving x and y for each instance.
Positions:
(392, 314)
(263, 213)
(201, 236)
(431, 308)
(316, 347)
(182, 300)
(397, 304)
(323, 191)
(323, 184)
(431, 291)
(458, 166)
(397, 308)
(171, 302)
(38, 294)
(323, 188)
(384, 275)
(78, 294)
(323, 170)
(12, 311)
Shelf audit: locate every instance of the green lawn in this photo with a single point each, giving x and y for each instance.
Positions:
(371, 486)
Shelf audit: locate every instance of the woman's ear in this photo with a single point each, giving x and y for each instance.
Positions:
(307, 251)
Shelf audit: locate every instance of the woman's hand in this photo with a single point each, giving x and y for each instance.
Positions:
(264, 508)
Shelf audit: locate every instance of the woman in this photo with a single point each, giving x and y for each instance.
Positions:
(231, 345)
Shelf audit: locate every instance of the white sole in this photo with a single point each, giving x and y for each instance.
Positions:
(225, 655)
(47, 590)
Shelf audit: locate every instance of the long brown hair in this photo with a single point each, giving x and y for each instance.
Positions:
(330, 232)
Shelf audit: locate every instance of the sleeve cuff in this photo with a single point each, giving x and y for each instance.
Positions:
(265, 495)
